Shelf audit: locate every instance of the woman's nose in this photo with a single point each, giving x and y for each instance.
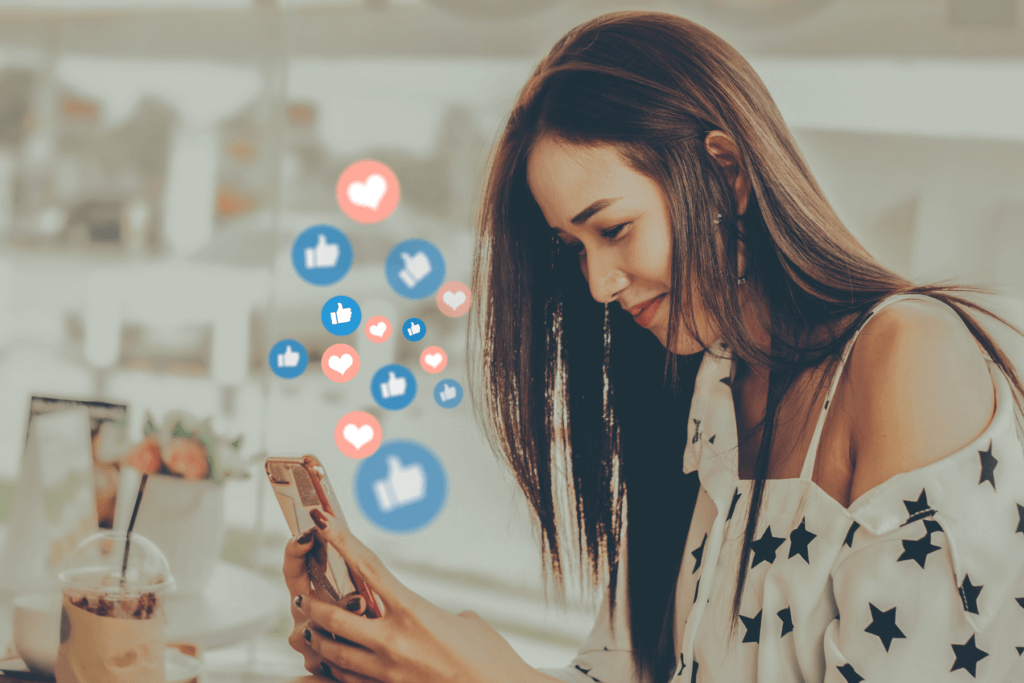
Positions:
(605, 277)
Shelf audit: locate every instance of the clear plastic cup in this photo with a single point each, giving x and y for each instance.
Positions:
(112, 624)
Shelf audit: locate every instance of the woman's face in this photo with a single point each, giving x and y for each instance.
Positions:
(618, 219)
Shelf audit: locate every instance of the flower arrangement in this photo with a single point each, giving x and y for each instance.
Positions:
(186, 447)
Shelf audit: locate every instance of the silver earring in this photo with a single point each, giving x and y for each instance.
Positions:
(718, 219)
(742, 280)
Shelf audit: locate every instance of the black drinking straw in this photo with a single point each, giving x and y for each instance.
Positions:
(131, 525)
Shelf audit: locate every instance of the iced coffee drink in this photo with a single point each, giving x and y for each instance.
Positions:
(112, 625)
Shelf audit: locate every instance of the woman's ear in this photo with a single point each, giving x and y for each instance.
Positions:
(724, 151)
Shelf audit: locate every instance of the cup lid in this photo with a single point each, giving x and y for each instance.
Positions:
(96, 565)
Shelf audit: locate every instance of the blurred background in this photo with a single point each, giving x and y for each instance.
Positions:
(158, 157)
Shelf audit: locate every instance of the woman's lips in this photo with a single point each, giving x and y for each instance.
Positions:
(646, 316)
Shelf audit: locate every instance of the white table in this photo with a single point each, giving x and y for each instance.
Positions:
(238, 604)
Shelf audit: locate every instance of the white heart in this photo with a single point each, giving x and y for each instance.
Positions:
(454, 299)
(358, 437)
(340, 363)
(434, 359)
(379, 329)
(370, 193)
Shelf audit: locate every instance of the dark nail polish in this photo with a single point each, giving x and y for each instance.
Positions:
(326, 669)
(305, 538)
(353, 604)
(318, 518)
(298, 601)
(307, 634)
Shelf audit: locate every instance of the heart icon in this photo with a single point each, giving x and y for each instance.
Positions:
(454, 299)
(340, 363)
(370, 193)
(379, 329)
(433, 359)
(358, 436)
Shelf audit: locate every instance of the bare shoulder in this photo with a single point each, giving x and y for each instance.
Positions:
(918, 390)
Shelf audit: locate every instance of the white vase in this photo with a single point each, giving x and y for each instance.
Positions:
(184, 518)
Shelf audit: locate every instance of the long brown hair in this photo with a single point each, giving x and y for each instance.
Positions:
(653, 85)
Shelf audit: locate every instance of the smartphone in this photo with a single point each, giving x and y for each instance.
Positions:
(301, 485)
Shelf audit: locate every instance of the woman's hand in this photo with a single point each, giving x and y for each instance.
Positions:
(414, 642)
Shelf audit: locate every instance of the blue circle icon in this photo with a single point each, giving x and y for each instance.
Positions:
(448, 393)
(288, 358)
(414, 269)
(414, 329)
(402, 486)
(341, 315)
(393, 387)
(322, 255)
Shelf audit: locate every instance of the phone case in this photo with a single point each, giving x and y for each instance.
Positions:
(301, 484)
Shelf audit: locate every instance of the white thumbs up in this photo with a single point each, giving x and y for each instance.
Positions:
(447, 393)
(395, 386)
(402, 486)
(414, 328)
(324, 255)
(416, 268)
(342, 315)
(288, 359)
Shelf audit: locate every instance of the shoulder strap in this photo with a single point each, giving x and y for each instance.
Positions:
(812, 452)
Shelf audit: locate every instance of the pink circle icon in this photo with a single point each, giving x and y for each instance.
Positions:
(378, 329)
(367, 191)
(433, 359)
(340, 363)
(357, 435)
(454, 299)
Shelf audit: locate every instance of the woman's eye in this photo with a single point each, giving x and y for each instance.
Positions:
(609, 234)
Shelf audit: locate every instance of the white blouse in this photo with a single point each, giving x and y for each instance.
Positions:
(920, 579)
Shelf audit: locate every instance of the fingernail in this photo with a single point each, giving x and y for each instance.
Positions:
(298, 601)
(326, 669)
(318, 518)
(353, 604)
(307, 634)
(305, 538)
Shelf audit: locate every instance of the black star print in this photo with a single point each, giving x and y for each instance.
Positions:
(826, 404)
(727, 381)
(698, 554)
(931, 526)
(587, 672)
(682, 665)
(712, 439)
(849, 674)
(693, 674)
(969, 595)
(967, 657)
(753, 624)
(1019, 651)
(799, 539)
(883, 625)
(917, 509)
(988, 466)
(1020, 522)
(764, 548)
(787, 621)
(696, 591)
(696, 430)
(918, 550)
(736, 496)
(850, 533)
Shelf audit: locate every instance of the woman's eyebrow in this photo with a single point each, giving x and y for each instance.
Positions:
(584, 215)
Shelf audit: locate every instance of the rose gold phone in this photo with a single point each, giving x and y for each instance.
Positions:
(301, 485)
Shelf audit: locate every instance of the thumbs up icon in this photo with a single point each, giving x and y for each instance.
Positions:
(288, 359)
(402, 486)
(416, 268)
(395, 386)
(342, 315)
(324, 255)
(447, 393)
(414, 328)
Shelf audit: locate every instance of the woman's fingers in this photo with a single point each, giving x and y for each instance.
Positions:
(361, 561)
(337, 674)
(344, 659)
(295, 574)
(365, 633)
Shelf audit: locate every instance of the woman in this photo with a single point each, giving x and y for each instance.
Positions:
(653, 246)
